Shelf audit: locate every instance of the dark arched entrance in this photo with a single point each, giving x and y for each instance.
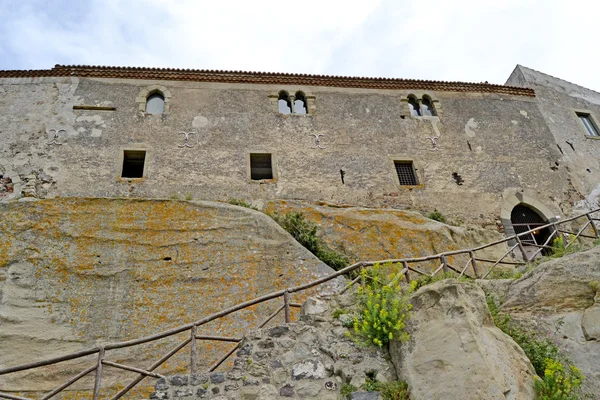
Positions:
(523, 219)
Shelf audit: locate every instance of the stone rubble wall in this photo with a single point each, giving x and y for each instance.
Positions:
(309, 359)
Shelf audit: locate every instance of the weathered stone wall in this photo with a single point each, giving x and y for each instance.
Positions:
(497, 144)
(559, 101)
(75, 273)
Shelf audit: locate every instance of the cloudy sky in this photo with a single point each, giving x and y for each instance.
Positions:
(462, 40)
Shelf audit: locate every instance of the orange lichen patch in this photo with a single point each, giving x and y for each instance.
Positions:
(107, 270)
(376, 234)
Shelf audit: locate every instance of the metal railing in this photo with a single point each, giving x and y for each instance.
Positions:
(444, 259)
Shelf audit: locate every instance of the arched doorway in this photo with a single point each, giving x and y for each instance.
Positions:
(524, 218)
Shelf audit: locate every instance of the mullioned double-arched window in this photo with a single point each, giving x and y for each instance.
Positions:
(288, 104)
(422, 107)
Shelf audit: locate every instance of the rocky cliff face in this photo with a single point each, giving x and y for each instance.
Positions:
(557, 299)
(376, 234)
(75, 273)
(456, 351)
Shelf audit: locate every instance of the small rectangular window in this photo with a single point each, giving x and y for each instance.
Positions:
(589, 125)
(406, 173)
(133, 164)
(261, 166)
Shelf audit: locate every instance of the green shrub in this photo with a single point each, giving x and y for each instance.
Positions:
(558, 382)
(395, 390)
(558, 378)
(305, 232)
(437, 216)
(594, 286)
(241, 203)
(560, 249)
(383, 306)
(347, 389)
(505, 274)
(440, 276)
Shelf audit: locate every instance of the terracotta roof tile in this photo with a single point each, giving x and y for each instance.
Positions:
(202, 75)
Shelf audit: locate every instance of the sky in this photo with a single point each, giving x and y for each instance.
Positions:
(450, 40)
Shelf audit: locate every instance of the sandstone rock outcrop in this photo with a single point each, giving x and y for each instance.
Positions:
(456, 351)
(75, 273)
(557, 300)
(376, 234)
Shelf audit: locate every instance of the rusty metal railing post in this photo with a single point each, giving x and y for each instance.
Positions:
(98, 380)
(474, 264)
(286, 304)
(193, 350)
(523, 252)
(405, 266)
(444, 261)
(592, 224)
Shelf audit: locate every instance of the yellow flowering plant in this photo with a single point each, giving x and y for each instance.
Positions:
(384, 308)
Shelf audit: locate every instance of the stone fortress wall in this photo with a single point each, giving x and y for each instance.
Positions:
(66, 136)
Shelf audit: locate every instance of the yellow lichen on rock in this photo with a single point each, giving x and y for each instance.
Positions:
(81, 272)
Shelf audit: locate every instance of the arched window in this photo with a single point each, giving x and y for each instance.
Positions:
(300, 104)
(155, 103)
(413, 105)
(285, 106)
(427, 107)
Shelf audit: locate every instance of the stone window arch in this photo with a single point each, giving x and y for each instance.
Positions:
(284, 103)
(294, 102)
(300, 104)
(427, 108)
(413, 106)
(422, 105)
(155, 96)
(155, 103)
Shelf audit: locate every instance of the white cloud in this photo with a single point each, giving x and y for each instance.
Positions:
(466, 40)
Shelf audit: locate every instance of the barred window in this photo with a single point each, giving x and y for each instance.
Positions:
(406, 173)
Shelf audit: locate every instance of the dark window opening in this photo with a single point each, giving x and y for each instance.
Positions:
(406, 173)
(589, 125)
(427, 107)
(300, 104)
(413, 105)
(284, 103)
(133, 164)
(155, 104)
(261, 167)
(524, 219)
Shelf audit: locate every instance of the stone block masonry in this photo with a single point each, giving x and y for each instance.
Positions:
(310, 359)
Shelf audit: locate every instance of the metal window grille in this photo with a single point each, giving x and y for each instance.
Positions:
(261, 167)
(406, 173)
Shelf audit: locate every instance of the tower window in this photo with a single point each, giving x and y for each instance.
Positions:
(261, 166)
(155, 104)
(300, 104)
(588, 124)
(406, 173)
(413, 105)
(133, 164)
(427, 107)
(284, 103)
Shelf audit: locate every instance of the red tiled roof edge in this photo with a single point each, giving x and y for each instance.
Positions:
(84, 71)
